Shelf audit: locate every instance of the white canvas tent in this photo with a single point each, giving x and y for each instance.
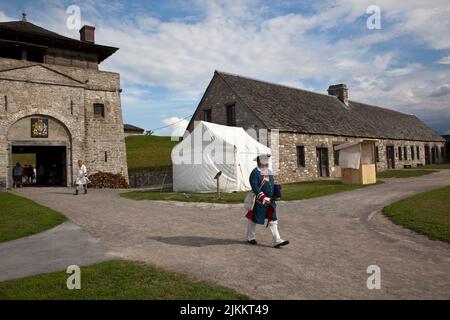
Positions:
(212, 148)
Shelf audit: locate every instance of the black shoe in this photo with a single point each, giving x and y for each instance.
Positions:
(284, 243)
(253, 242)
(76, 193)
(85, 191)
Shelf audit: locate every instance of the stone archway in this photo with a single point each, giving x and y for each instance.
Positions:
(50, 141)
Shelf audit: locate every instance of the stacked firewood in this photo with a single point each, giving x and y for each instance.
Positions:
(108, 180)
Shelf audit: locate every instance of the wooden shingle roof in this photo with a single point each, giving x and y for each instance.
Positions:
(295, 110)
(27, 32)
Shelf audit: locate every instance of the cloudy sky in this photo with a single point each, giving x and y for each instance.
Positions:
(170, 49)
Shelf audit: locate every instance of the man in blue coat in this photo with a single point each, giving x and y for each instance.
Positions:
(262, 184)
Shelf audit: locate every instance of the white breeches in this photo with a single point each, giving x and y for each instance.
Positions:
(273, 226)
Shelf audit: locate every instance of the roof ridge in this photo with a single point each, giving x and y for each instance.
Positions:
(273, 83)
(308, 91)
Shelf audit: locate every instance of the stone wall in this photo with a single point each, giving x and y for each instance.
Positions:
(291, 172)
(150, 178)
(65, 95)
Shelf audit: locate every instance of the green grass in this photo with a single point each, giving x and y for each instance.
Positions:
(426, 213)
(24, 159)
(405, 173)
(293, 191)
(441, 166)
(21, 217)
(116, 280)
(149, 153)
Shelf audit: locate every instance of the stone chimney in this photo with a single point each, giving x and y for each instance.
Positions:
(87, 33)
(340, 91)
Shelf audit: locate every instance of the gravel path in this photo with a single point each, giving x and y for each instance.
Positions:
(333, 241)
(49, 251)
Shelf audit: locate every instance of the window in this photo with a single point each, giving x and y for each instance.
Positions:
(106, 156)
(231, 115)
(405, 151)
(99, 110)
(301, 156)
(377, 154)
(400, 154)
(412, 153)
(418, 152)
(207, 115)
(443, 152)
(336, 155)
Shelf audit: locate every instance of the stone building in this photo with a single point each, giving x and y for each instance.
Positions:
(310, 124)
(131, 130)
(55, 103)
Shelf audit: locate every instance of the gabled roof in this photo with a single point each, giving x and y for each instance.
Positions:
(296, 110)
(26, 32)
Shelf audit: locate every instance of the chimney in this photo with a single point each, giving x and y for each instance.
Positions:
(87, 33)
(340, 91)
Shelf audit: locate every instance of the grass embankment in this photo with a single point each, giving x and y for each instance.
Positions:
(21, 217)
(426, 213)
(124, 280)
(149, 153)
(292, 191)
(442, 166)
(404, 173)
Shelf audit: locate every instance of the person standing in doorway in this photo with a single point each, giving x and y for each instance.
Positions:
(30, 173)
(262, 184)
(81, 177)
(17, 176)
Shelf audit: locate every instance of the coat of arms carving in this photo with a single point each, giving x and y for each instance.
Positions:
(39, 128)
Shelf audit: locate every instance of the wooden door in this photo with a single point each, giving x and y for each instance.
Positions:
(322, 162)
(390, 157)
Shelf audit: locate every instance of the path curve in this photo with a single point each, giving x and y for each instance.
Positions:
(333, 241)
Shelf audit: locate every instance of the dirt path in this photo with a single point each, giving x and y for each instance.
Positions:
(333, 241)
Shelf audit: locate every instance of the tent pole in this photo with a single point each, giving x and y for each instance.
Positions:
(218, 187)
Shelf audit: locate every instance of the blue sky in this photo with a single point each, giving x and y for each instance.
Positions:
(170, 49)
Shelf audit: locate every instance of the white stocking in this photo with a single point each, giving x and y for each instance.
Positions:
(251, 230)
(273, 226)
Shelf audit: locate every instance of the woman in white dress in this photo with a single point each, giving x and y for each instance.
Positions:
(81, 177)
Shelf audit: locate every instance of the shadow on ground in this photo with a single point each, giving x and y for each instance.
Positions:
(194, 241)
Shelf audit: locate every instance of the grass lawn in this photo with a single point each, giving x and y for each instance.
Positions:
(24, 159)
(148, 153)
(435, 166)
(426, 213)
(21, 217)
(293, 191)
(405, 173)
(116, 280)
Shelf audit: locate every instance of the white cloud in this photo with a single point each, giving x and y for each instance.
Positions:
(444, 60)
(4, 17)
(176, 128)
(240, 37)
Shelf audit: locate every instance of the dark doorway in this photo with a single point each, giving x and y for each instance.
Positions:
(322, 162)
(433, 155)
(390, 157)
(427, 155)
(50, 164)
